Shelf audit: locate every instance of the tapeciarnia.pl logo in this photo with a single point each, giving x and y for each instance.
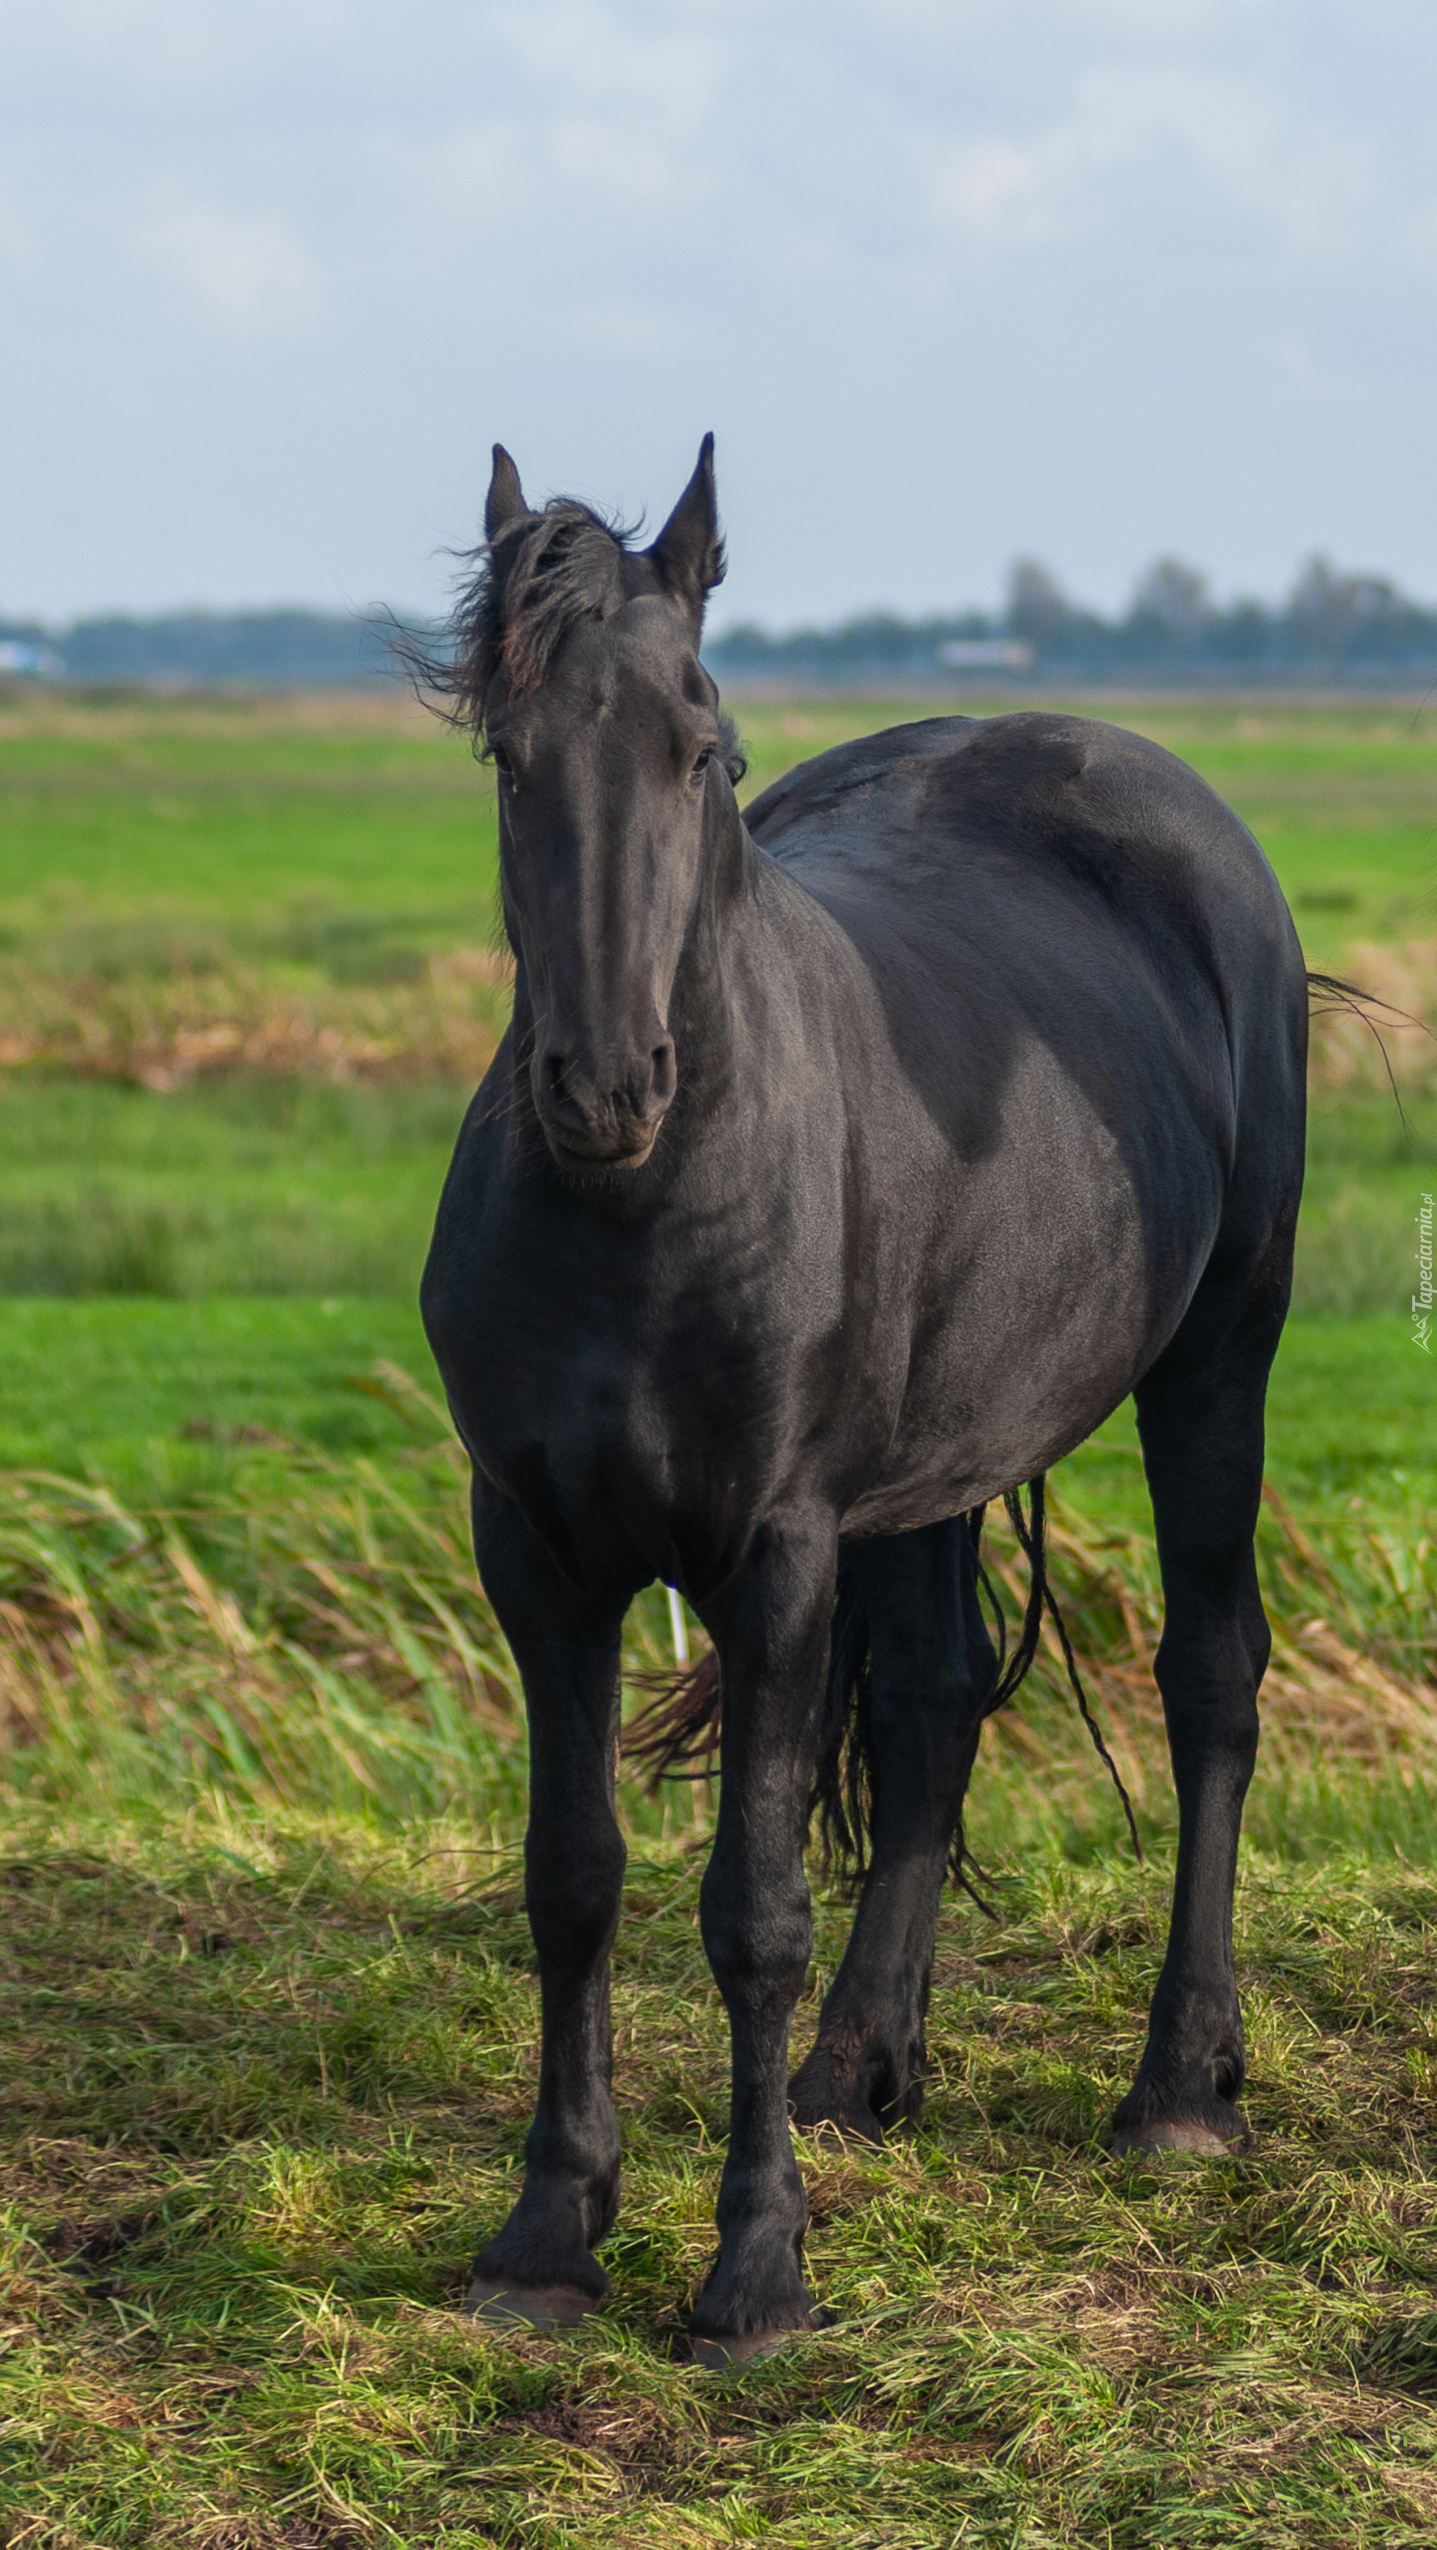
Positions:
(1422, 1298)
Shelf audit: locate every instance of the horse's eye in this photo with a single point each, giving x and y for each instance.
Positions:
(702, 762)
(501, 761)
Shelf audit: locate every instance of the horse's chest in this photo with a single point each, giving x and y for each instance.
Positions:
(653, 1406)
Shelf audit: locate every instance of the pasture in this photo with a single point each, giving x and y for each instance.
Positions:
(269, 2030)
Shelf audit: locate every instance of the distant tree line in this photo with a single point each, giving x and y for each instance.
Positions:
(206, 650)
(1334, 629)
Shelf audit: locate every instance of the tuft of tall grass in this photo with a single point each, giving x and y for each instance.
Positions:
(311, 1634)
(1397, 1034)
(1349, 1702)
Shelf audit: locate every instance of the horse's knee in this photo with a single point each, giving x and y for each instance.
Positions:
(755, 1946)
(573, 1895)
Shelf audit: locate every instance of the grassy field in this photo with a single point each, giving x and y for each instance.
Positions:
(247, 973)
(265, 2006)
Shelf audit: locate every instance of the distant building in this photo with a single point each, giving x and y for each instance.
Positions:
(31, 662)
(975, 655)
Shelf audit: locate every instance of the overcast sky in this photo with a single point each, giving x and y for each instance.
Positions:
(950, 279)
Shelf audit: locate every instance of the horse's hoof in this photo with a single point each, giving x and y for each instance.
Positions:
(1167, 2140)
(826, 2096)
(856, 2126)
(720, 2354)
(717, 2354)
(540, 2306)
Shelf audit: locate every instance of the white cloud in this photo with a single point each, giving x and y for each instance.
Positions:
(545, 168)
(617, 327)
(606, 159)
(848, 233)
(661, 58)
(164, 45)
(250, 273)
(1307, 185)
(1310, 183)
(472, 169)
(1016, 192)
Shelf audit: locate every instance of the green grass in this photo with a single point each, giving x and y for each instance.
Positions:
(184, 885)
(154, 1394)
(266, 2012)
(268, 2087)
(306, 828)
(1351, 1414)
(267, 1183)
(121, 1387)
(247, 1184)
(260, 817)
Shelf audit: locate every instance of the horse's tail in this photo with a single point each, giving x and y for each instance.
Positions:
(677, 1735)
(844, 1780)
(1328, 992)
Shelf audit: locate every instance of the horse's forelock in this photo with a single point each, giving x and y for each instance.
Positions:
(540, 575)
(558, 567)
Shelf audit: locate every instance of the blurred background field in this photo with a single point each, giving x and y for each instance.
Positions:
(264, 1989)
(249, 976)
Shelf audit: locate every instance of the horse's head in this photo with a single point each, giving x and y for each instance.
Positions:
(579, 663)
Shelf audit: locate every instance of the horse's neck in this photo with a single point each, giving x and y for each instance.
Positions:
(767, 972)
(719, 945)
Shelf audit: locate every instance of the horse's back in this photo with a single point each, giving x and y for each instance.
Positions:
(1047, 872)
(1091, 812)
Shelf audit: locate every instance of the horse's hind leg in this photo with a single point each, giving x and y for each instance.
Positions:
(1200, 1415)
(931, 1667)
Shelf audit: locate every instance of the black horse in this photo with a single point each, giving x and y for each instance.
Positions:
(842, 1168)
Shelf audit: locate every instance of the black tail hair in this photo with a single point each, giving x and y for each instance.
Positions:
(1334, 992)
(1041, 1598)
(843, 1784)
(677, 1735)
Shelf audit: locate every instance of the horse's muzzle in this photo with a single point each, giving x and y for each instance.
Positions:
(605, 1118)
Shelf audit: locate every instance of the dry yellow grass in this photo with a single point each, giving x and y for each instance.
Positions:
(166, 1029)
(163, 1029)
(323, 1636)
(1348, 1045)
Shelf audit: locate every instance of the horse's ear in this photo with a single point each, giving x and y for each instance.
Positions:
(505, 500)
(689, 550)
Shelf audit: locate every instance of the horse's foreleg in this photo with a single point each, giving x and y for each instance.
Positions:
(931, 1665)
(541, 2266)
(772, 1630)
(1200, 1413)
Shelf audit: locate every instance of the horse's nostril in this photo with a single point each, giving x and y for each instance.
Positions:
(604, 1109)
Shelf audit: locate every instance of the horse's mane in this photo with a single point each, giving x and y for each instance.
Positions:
(522, 592)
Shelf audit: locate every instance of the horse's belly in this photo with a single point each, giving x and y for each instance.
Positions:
(1062, 1272)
